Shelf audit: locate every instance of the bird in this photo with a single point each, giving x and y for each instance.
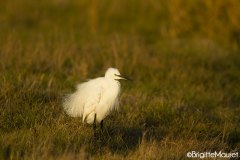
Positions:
(95, 99)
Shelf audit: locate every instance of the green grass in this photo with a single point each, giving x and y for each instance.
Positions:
(183, 57)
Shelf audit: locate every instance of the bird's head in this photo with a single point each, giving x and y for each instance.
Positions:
(113, 73)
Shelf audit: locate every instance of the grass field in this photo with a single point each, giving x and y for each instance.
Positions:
(183, 57)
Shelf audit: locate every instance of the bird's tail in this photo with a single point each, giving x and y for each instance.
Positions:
(72, 105)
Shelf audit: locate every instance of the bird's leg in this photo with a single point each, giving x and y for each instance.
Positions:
(94, 123)
(101, 125)
(94, 126)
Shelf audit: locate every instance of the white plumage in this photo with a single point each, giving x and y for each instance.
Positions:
(95, 98)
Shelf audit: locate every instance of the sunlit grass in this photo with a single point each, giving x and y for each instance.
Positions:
(183, 58)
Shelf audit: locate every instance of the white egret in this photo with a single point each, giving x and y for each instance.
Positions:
(95, 99)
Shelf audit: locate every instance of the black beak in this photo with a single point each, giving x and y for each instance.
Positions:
(124, 78)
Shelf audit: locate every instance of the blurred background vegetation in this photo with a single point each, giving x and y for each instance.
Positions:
(182, 55)
(153, 20)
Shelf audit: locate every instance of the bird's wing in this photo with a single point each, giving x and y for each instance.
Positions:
(92, 101)
(82, 102)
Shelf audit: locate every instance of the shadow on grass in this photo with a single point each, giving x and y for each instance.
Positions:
(121, 140)
(117, 139)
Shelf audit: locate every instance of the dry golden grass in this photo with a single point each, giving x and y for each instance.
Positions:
(183, 57)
